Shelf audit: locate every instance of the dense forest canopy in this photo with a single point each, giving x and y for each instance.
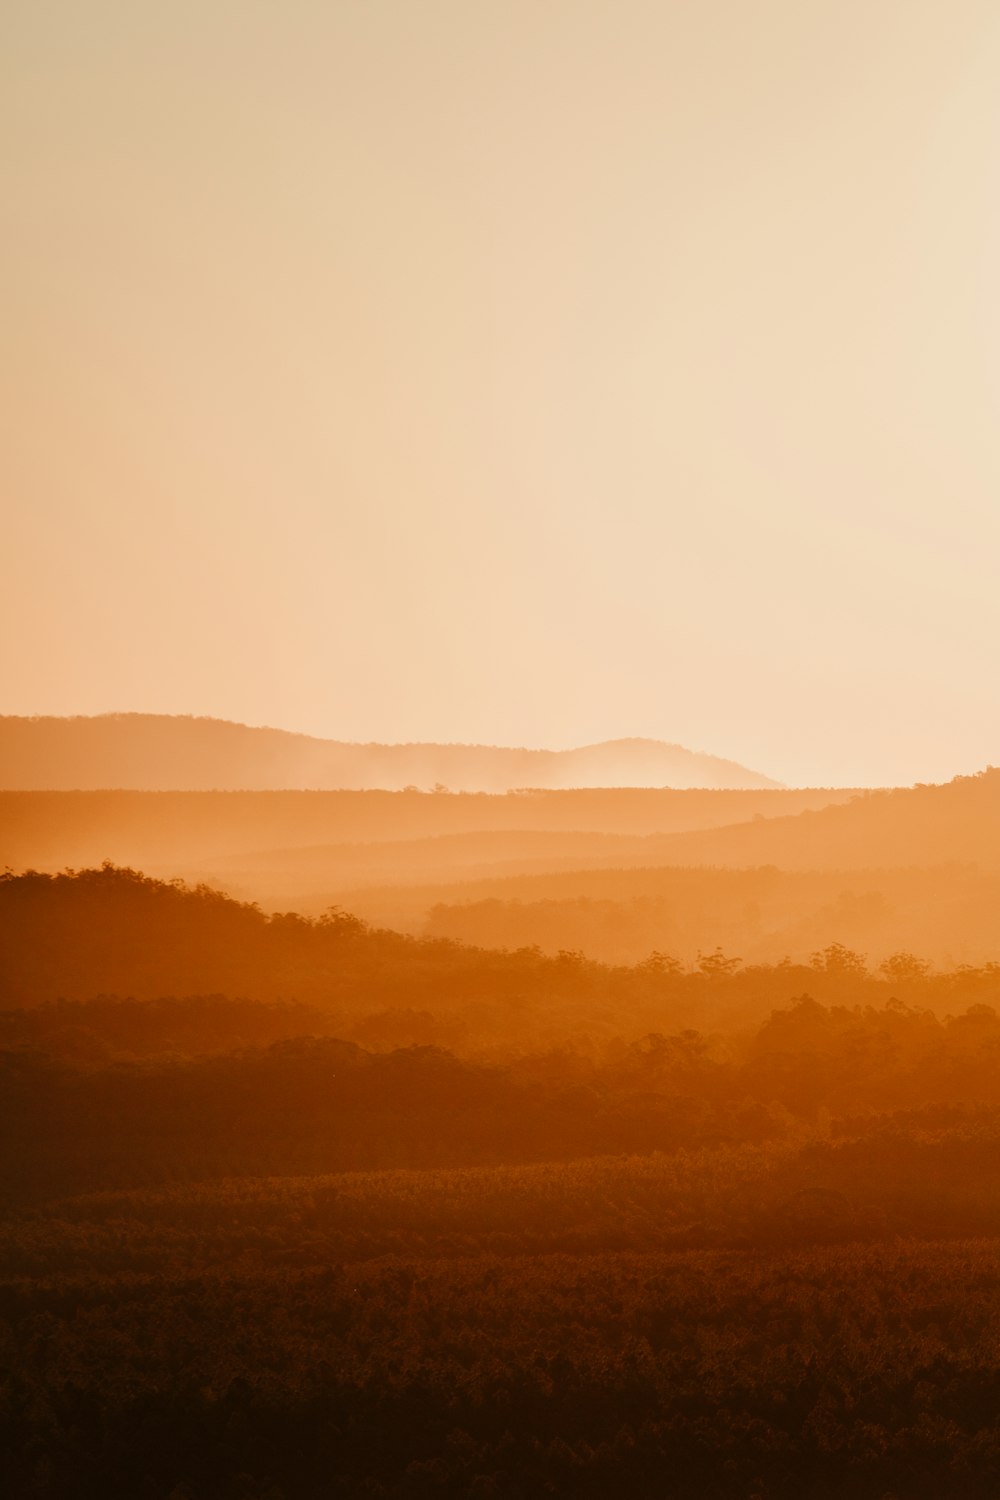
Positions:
(322, 1044)
(114, 931)
(391, 1216)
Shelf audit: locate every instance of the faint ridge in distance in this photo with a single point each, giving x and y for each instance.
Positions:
(162, 752)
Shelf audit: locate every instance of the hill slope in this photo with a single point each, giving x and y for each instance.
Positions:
(957, 822)
(178, 832)
(155, 752)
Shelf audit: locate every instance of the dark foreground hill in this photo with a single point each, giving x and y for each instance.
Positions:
(113, 932)
(582, 1251)
(159, 752)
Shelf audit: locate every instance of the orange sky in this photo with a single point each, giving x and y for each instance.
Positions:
(531, 372)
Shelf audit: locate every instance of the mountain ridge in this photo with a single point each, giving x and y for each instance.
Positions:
(178, 752)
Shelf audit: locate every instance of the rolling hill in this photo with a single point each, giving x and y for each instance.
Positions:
(957, 822)
(319, 834)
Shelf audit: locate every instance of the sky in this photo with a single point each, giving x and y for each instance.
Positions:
(532, 373)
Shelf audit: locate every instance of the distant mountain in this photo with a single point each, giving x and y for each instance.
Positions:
(157, 752)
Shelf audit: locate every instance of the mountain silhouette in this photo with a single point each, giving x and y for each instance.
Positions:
(158, 752)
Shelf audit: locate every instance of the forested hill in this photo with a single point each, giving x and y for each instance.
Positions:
(114, 932)
(159, 752)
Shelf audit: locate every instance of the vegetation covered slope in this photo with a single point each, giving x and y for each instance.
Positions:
(246, 1255)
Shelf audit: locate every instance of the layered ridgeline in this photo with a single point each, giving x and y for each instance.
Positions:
(305, 839)
(915, 868)
(612, 873)
(154, 752)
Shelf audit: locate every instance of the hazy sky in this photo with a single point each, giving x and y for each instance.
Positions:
(532, 372)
